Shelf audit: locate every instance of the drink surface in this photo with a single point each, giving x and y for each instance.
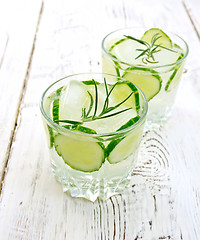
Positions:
(88, 105)
(97, 128)
(152, 61)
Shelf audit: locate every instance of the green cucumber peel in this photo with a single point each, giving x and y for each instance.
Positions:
(59, 148)
(153, 73)
(90, 82)
(55, 109)
(58, 91)
(173, 74)
(55, 114)
(51, 136)
(117, 65)
(84, 130)
(115, 142)
(135, 92)
(115, 44)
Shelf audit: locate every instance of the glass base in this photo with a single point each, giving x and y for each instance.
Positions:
(154, 121)
(91, 190)
(109, 180)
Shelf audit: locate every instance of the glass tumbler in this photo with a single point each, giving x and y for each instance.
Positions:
(94, 124)
(151, 59)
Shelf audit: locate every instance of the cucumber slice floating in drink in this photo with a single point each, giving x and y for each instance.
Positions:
(78, 105)
(164, 40)
(146, 79)
(175, 77)
(55, 109)
(129, 49)
(114, 52)
(80, 154)
(124, 51)
(119, 149)
(123, 89)
(55, 114)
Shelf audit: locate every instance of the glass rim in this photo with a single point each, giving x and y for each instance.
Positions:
(108, 134)
(139, 65)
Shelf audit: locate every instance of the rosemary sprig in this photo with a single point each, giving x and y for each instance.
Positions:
(87, 117)
(69, 121)
(147, 54)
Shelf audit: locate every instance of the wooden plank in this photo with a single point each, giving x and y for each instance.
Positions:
(14, 63)
(163, 201)
(193, 8)
(180, 133)
(3, 45)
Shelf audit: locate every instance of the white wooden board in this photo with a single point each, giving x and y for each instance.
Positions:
(164, 199)
(19, 27)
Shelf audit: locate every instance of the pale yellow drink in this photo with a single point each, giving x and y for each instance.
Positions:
(94, 125)
(151, 59)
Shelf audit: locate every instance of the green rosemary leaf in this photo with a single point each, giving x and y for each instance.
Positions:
(140, 50)
(143, 53)
(68, 121)
(107, 98)
(151, 61)
(91, 104)
(96, 99)
(83, 113)
(119, 104)
(155, 38)
(137, 40)
(113, 114)
(154, 49)
(86, 117)
(150, 50)
(152, 57)
(169, 49)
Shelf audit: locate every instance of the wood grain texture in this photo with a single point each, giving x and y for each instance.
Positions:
(193, 8)
(13, 66)
(163, 201)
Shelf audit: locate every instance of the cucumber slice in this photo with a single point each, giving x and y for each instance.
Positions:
(117, 65)
(124, 50)
(176, 75)
(83, 129)
(164, 39)
(146, 79)
(55, 107)
(116, 43)
(55, 115)
(79, 154)
(58, 91)
(122, 91)
(119, 149)
(129, 123)
(90, 82)
(51, 136)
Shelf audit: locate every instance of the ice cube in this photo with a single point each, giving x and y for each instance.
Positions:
(72, 99)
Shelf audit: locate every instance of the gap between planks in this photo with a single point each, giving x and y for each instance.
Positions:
(188, 11)
(4, 51)
(13, 133)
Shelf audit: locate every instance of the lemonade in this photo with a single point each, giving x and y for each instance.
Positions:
(151, 59)
(94, 125)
